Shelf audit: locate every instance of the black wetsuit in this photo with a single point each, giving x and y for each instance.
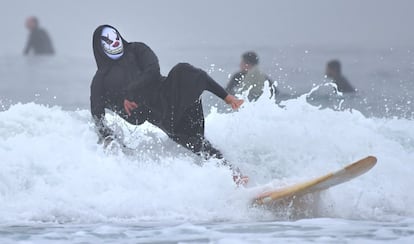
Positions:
(40, 42)
(343, 84)
(171, 103)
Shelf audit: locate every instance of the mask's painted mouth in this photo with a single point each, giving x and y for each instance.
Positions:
(117, 50)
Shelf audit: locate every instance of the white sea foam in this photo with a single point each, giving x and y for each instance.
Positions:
(53, 170)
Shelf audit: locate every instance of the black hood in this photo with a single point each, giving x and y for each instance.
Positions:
(102, 60)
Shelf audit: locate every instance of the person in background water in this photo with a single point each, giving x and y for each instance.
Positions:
(333, 71)
(128, 82)
(38, 40)
(250, 77)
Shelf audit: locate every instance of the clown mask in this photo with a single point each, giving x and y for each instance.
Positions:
(112, 43)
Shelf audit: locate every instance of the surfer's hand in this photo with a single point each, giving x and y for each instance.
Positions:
(129, 106)
(233, 101)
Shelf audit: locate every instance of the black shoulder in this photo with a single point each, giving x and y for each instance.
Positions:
(142, 50)
(139, 46)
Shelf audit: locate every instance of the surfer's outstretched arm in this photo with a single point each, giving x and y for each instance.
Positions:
(215, 88)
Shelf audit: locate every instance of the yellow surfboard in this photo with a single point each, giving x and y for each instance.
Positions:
(318, 184)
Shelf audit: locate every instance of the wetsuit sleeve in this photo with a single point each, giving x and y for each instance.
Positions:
(216, 89)
(98, 106)
(149, 69)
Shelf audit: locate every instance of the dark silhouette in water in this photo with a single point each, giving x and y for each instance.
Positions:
(249, 78)
(38, 41)
(334, 72)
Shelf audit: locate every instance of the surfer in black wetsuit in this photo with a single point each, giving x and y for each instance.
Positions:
(333, 71)
(128, 82)
(39, 41)
(250, 78)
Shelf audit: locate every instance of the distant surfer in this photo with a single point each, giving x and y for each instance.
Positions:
(128, 82)
(250, 78)
(333, 71)
(38, 41)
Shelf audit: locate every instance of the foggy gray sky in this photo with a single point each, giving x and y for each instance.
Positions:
(171, 23)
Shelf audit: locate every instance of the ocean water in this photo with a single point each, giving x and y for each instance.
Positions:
(58, 186)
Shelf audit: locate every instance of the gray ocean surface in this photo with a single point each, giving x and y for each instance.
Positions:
(58, 186)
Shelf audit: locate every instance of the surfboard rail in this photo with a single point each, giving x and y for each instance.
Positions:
(324, 182)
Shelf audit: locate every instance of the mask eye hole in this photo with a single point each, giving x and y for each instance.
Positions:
(117, 35)
(106, 40)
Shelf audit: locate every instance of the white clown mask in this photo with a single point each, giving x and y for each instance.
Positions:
(112, 43)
